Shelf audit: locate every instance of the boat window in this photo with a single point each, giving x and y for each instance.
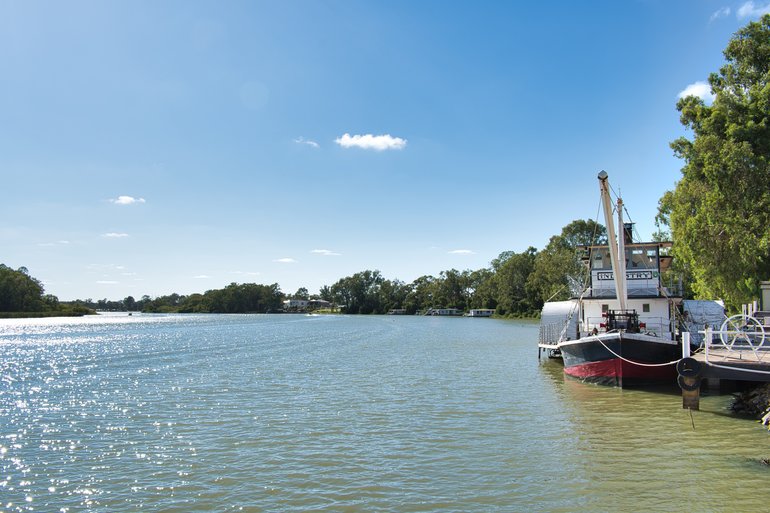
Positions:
(601, 260)
(646, 307)
(641, 259)
(605, 308)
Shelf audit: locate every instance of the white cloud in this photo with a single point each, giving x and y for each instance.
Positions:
(700, 89)
(462, 252)
(325, 252)
(201, 277)
(749, 10)
(285, 261)
(245, 273)
(52, 244)
(721, 13)
(107, 282)
(105, 267)
(113, 235)
(126, 200)
(371, 142)
(302, 140)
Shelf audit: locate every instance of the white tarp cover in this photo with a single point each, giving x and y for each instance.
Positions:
(700, 314)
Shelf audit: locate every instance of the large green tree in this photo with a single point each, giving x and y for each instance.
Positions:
(360, 293)
(511, 273)
(558, 272)
(20, 292)
(719, 212)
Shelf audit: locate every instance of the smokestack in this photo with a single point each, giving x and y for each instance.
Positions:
(628, 233)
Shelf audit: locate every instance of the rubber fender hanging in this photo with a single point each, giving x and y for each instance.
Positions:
(689, 367)
(689, 384)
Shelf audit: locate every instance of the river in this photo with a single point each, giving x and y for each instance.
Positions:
(296, 413)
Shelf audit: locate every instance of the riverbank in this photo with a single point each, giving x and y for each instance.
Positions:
(43, 315)
(754, 403)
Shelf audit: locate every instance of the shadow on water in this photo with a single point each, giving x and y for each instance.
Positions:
(714, 402)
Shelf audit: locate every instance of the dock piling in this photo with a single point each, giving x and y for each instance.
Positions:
(689, 380)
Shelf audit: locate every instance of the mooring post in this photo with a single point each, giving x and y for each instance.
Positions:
(689, 376)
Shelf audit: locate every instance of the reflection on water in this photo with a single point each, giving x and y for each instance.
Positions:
(333, 413)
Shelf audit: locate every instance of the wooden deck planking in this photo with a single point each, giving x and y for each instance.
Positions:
(742, 365)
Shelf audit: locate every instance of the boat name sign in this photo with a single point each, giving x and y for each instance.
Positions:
(630, 275)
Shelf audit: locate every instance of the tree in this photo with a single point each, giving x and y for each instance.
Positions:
(421, 294)
(325, 293)
(719, 211)
(512, 271)
(20, 292)
(558, 270)
(481, 289)
(359, 293)
(129, 303)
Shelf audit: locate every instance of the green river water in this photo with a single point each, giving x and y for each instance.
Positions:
(296, 413)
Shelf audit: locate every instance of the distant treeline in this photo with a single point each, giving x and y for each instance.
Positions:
(514, 285)
(21, 295)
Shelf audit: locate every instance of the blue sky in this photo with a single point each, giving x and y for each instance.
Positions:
(179, 146)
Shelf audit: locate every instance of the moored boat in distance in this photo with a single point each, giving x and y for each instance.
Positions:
(622, 329)
(445, 312)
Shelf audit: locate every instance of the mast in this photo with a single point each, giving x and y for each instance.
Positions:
(623, 292)
(618, 272)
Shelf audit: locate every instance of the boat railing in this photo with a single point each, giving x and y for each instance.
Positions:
(551, 333)
(657, 326)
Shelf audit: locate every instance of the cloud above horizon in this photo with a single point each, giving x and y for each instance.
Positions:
(126, 200)
(750, 10)
(114, 235)
(371, 142)
(700, 89)
(721, 13)
(308, 142)
(462, 252)
(246, 273)
(285, 261)
(325, 252)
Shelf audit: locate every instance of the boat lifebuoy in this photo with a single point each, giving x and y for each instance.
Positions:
(689, 367)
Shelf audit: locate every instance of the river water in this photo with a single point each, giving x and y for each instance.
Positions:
(296, 413)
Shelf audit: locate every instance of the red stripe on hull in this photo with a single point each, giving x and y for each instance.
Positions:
(616, 370)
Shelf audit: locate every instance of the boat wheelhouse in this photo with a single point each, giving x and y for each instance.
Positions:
(649, 305)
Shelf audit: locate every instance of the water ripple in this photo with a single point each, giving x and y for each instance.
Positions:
(376, 414)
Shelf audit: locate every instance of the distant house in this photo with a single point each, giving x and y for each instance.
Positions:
(304, 305)
(481, 312)
(295, 305)
(315, 304)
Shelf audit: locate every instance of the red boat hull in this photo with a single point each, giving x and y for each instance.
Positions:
(621, 360)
